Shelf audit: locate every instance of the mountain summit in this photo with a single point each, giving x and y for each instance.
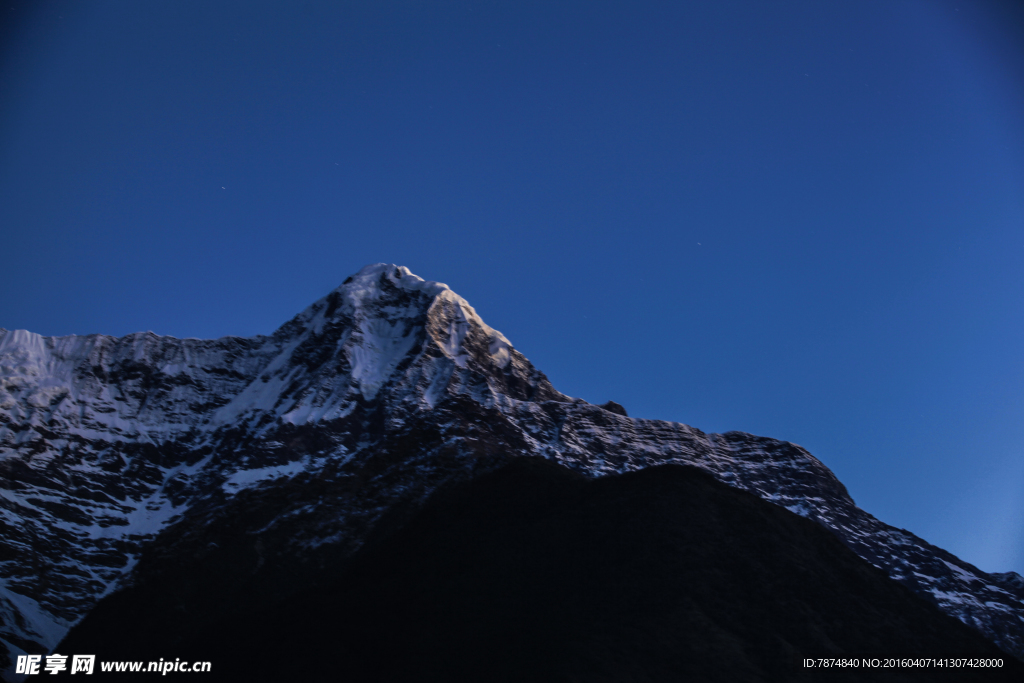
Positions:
(278, 453)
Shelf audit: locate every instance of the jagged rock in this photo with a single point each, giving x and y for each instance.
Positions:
(613, 407)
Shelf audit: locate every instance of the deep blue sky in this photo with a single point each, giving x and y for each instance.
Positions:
(798, 219)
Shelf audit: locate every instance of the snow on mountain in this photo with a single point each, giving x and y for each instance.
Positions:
(106, 442)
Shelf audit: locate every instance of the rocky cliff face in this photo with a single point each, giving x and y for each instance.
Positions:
(356, 409)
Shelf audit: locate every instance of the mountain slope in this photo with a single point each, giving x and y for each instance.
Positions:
(303, 441)
(535, 572)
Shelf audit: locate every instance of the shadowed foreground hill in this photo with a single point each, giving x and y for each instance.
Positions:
(533, 572)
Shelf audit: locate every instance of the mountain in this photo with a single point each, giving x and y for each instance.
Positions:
(285, 453)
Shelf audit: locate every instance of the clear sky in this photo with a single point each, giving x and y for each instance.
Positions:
(799, 219)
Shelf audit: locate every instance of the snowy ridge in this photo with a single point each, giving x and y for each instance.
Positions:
(387, 387)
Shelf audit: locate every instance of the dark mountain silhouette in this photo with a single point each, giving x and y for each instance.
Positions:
(533, 572)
